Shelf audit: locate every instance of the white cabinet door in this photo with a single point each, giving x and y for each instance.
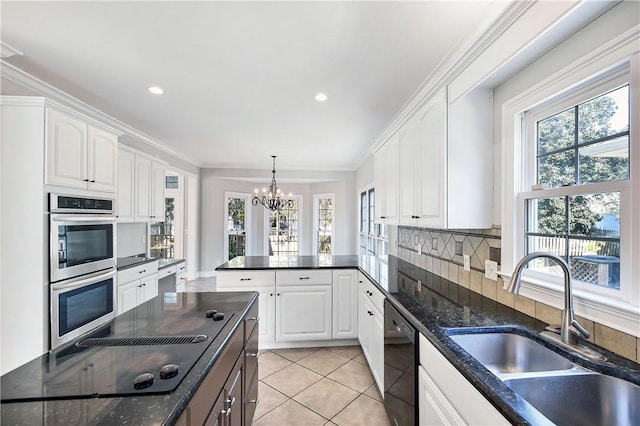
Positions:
(266, 312)
(181, 282)
(148, 288)
(386, 181)
(157, 193)
(142, 189)
(434, 409)
(345, 304)
(102, 160)
(408, 170)
(66, 151)
(126, 185)
(377, 347)
(128, 296)
(430, 149)
(303, 312)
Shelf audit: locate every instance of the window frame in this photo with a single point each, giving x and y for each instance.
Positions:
(601, 65)
(374, 234)
(316, 220)
(247, 220)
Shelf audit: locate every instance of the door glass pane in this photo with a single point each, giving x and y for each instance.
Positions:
(236, 227)
(284, 231)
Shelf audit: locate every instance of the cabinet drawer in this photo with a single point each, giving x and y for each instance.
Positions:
(165, 272)
(181, 267)
(375, 295)
(303, 276)
(137, 272)
(245, 278)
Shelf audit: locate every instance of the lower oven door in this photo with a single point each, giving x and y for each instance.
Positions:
(81, 304)
(400, 375)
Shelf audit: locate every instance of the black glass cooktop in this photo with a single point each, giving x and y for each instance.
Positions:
(147, 350)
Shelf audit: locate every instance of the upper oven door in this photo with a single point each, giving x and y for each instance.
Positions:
(80, 244)
(81, 304)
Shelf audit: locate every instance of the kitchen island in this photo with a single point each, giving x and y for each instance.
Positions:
(104, 378)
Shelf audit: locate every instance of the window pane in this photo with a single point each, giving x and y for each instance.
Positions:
(557, 131)
(603, 270)
(171, 182)
(547, 215)
(605, 161)
(236, 227)
(595, 215)
(557, 169)
(604, 116)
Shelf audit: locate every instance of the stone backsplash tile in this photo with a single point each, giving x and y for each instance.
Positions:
(440, 256)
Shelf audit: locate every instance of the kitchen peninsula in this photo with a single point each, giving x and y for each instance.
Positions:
(437, 308)
(162, 362)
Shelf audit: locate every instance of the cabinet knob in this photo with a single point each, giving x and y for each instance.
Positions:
(277, 294)
(270, 294)
(370, 313)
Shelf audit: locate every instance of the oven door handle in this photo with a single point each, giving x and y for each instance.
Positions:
(82, 281)
(83, 218)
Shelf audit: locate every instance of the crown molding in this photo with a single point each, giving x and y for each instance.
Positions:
(7, 51)
(471, 49)
(63, 100)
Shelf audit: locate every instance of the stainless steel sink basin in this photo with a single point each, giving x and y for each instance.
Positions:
(505, 353)
(583, 399)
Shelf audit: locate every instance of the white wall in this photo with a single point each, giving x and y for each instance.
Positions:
(131, 239)
(215, 182)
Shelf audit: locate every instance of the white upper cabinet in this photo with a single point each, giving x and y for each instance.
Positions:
(443, 165)
(157, 192)
(386, 181)
(126, 185)
(143, 175)
(80, 155)
(140, 187)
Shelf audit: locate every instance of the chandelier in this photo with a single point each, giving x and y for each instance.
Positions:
(272, 200)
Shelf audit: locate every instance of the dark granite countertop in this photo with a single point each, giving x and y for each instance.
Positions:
(438, 308)
(290, 262)
(166, 263)
(139, 409)
(123, 263)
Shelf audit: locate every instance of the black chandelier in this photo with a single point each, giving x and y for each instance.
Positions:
(272, 200)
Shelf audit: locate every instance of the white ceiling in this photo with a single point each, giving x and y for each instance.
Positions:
(240, 77)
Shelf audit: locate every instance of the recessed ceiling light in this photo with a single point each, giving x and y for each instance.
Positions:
(321, 97)
(156, 90)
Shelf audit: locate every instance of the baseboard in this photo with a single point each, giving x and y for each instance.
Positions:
(265, 345)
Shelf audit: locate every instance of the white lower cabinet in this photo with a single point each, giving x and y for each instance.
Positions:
(345, 304)
(303, 312)
(445, 397)
(181, 277)
(371, 328)
(137, 285)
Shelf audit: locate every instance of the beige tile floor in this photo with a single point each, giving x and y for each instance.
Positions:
(313, 386)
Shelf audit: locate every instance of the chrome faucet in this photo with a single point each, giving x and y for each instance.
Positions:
(569, 328)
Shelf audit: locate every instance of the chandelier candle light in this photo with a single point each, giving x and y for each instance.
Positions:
(272, 200)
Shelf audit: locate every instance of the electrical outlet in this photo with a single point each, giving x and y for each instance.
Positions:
(467, 262)
(491, 270)
(419, 249)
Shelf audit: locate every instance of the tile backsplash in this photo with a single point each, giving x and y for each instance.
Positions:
(442, 254)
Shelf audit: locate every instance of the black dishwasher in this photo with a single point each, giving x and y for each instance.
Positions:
(399, 368)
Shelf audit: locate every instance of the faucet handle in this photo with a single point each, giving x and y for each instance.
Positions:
(580, 328)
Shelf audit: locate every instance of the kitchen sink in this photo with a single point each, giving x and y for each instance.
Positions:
(507, 353)
(581, 399)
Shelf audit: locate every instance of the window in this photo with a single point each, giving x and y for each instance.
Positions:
(323, 223)
(237, 219)
(582, 162)
(373, 236)
(283, 230)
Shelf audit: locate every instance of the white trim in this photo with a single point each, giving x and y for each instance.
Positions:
(316, 220)
(609, 56)
(71, 104)
(7, 51)
(247, 221)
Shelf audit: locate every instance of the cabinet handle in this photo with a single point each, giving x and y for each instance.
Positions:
(143, 271)
(252, 355)
(256, 319)
(360, 281)
(370, 313)
(92, 181)
(231, 402)
(304, 278)
(383, 217)
(85, 180)
(254, 401)
(245, 279)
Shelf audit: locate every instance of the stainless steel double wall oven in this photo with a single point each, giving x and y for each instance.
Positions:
(82, 265)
